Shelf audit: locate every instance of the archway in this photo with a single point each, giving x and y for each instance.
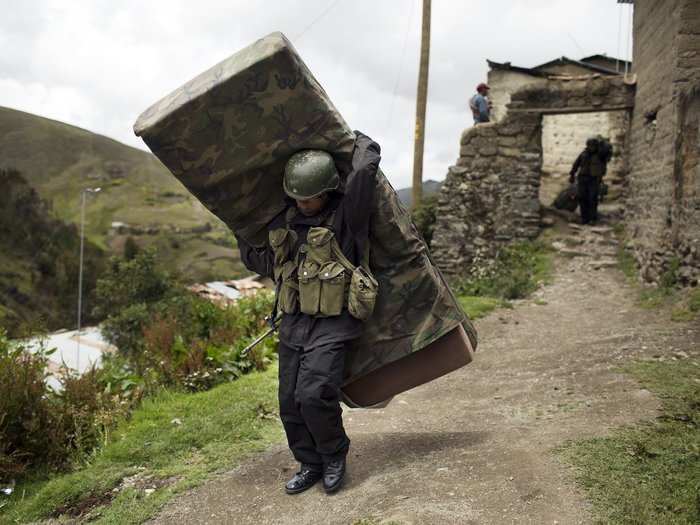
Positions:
(491, 195)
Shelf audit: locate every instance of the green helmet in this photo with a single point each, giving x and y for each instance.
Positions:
(310, 173)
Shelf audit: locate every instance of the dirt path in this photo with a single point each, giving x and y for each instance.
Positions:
(475, 447)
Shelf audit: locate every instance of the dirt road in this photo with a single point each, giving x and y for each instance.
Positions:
(475, 447)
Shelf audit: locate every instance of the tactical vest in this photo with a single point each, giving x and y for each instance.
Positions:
(318, 279)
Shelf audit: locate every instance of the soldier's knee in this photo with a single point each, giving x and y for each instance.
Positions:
(318, 393)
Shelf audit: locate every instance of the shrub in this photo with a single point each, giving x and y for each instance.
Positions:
(42, 428)
(87, 411)
(27, 419)
(424, 217)
(126, 294)
(193, 343)
(131, 249)
(515, 272)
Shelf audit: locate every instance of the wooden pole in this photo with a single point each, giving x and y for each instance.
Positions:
(421, 104)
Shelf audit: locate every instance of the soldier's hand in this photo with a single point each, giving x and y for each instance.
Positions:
(572, 178)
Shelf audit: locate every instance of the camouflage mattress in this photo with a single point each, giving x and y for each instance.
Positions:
(227, 134)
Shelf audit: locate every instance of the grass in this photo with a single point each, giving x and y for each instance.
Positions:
(649, 473)
(684, 304)
(519, 270)
(477, 307)
(170, 444)
(59, 160)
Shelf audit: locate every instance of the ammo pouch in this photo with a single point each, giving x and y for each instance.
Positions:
(322, 281)
(282, 242)
(362, 294)
(326, 281)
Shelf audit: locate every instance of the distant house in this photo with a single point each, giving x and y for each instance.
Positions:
(564, 136)
(226, 292)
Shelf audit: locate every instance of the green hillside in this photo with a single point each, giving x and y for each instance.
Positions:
(59, 160)
(39, 262)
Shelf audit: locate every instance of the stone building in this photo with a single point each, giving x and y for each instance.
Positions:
(491, 195)
(563, 136)
(663, 203)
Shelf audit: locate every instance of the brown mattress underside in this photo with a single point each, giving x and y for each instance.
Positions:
(450, 352)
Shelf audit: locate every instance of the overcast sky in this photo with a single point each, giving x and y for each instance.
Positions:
(98, 64)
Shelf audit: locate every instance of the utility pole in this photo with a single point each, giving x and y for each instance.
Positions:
(421, 103)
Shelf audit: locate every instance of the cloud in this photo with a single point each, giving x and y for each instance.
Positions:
(98, 64)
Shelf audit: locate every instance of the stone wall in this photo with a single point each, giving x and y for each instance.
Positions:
(491, 196)
(663, 207)
(564, 136)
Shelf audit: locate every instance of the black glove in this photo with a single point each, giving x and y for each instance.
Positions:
(572, 178)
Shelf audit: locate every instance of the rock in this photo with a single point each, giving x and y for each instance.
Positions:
(570, 252)
(603, 263)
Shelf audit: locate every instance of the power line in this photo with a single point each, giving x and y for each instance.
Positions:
(580, 49)
(319, 17)
(401, 63)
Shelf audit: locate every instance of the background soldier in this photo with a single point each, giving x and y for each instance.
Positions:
(314, 245)
(591, 166)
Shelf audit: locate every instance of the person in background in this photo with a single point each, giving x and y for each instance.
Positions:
(480, 104)
(591, 166)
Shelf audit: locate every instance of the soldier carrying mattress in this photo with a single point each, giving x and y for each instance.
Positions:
(365, 315)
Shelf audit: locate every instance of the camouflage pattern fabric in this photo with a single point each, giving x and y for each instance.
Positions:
(415, 307)
(227, 135)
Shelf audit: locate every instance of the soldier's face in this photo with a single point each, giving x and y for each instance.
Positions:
(310, 207)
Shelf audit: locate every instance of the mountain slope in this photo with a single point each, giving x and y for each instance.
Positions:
(430, 187)
(59, 160)
(39, 262)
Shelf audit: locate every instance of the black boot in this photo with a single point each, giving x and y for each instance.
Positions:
(302, 480)
(333, 474)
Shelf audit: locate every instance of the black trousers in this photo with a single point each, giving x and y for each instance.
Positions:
(309, 397)
(588, 189)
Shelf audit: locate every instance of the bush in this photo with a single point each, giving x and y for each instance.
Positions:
(516, 272)
(126, 294)
(170, 337)
(42, 428)
(424, 217)
(195, 344)
(27, 421)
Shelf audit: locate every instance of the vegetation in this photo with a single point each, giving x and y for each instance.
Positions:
(39, 263)
(517, 271)
(684, 303)
(649, 473)
(41, 428)
(60, 160)
(424, 217)
(170, 444)
(477, 307)
(171, 342)
(168, 336)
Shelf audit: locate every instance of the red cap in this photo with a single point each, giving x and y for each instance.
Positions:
(482, 86)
